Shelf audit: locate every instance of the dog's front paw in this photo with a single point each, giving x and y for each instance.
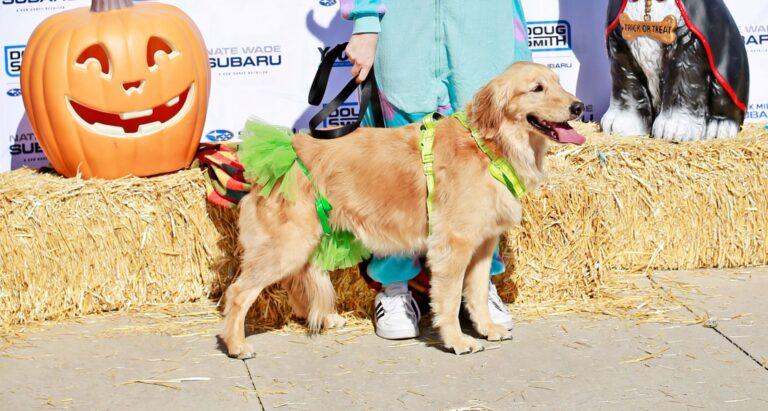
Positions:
(464, 344)
(624, 123)
(240, 350)
(333, 321)
(495, 332)
(676, 125)
(724, 128)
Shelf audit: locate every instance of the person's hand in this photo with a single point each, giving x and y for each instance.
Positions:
(361, 51)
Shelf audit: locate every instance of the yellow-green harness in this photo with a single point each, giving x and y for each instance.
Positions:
(499, 168)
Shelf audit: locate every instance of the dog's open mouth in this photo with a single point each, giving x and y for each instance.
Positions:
(560, 132)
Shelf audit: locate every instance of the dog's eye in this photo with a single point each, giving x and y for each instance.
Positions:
(538, 89)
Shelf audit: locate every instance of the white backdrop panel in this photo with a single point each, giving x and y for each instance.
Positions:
(264, 54)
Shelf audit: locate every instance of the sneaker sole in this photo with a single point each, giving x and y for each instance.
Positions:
(397, 334)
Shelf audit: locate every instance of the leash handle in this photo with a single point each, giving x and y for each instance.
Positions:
(369, 96)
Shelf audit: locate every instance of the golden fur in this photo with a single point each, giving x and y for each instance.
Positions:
(375, 181)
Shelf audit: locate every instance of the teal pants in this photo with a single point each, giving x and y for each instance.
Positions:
(396, 269)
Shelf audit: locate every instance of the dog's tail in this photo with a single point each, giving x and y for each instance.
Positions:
(268, 155)
(316, 286)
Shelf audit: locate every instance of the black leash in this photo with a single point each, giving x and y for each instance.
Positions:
(369, 96)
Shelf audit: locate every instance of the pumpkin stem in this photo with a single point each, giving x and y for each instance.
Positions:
(107, 5)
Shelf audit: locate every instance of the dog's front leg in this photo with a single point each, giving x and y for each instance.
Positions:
(448, 263)
(476, 293)
(631, 110)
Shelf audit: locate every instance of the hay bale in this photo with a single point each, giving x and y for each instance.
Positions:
(652, 205)
(71, 247)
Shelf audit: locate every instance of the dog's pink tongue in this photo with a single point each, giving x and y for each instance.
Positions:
(566, 134)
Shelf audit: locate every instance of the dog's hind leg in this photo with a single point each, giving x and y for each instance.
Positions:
(297, 296)
(257, 274)
(476, 293)
(448, 264)
(238, 300)
(261, 267)
(312, 297)
(277, 242)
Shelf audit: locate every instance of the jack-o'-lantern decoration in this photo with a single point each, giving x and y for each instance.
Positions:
(117, 89)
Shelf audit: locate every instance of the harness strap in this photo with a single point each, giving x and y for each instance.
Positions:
(426, 143)
(500, 168)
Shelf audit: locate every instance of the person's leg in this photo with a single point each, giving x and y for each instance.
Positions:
(497, 265)
(411, 86)
(499, 312)
(499, 26)
(405, 60)
(481, 41)
(388, 270)
(396, 312)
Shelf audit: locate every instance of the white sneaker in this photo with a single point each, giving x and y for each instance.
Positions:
(499, 312)
(397, 313)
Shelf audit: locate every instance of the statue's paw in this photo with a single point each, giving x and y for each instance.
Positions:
(723, 128)
(676, 125)
(624, 123)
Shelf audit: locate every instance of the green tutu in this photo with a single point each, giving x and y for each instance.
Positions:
(268, 156)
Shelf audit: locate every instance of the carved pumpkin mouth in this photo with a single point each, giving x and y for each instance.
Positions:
(133, 124)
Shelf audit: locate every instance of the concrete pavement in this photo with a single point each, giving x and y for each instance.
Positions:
(121, 362)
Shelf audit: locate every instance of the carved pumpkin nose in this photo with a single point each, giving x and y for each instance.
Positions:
(133, 85)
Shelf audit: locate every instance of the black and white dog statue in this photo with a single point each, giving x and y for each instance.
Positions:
(695, 88)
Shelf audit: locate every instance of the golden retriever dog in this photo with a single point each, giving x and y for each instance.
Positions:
(375, 181)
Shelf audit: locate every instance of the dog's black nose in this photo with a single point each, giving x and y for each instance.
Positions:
(577, 109)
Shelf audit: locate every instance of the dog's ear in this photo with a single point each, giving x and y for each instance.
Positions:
(484, 111)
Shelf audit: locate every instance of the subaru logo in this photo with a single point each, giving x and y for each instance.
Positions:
(14, 92)
(219, 135)
(327, 2)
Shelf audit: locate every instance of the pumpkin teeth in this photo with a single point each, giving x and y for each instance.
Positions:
(109, 130)
(135, 114)
(150, 127)
(133, 124)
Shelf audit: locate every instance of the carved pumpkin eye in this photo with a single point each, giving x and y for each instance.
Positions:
(157, 47)
(95, 54)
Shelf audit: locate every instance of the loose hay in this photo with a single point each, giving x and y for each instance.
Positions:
(71, 247)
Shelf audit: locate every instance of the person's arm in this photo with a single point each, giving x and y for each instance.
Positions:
(365, 13)
(361, 49)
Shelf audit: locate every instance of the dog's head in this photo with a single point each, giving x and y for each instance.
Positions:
(521, 110)
(527, 96)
